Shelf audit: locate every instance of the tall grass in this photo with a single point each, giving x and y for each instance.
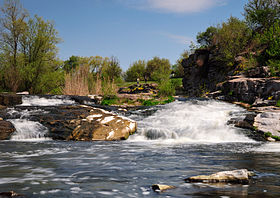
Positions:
(82, 82)
(76, 82)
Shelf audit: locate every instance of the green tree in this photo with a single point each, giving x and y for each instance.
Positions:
(136, 70)
(39, 52)
(71, 64)
(232, 38)
(12, 28)
(158, 69)
(207, 38)
(112, 71)
(178, 69)
(261, 14)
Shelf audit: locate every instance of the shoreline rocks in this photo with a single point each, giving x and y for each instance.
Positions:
(6, 129)
(7, 99)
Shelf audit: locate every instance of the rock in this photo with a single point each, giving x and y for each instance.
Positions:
(6, 129)
(96, 98)
(270, 139)
(258, 72)
(10, 194)
(85, 123)
(236, 176)
(10, 99)
(249, 90)
(161, 187)
(268, 121)
(23, 93)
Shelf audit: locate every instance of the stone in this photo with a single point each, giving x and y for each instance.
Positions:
(10, 99)
(268, 121)
(10, 194)
(270, 139)
(240, 176)
(6, 129)
(161, 187)
(85, 123)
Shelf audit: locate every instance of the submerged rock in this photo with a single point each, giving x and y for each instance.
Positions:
(85, 123)
(6, 129)
(161, 187)
(236, 176)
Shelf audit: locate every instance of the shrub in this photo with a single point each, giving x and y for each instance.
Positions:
(166, 88)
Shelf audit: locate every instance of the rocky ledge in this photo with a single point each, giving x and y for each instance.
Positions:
(78, 123)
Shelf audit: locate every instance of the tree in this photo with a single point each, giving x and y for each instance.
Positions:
(39, 52)
(261, 14)
(136, 70)
(232, 38)
(112, 71)
(158, 69)
(71, 64)
(12, 28)
(207, 38)
(178, 69)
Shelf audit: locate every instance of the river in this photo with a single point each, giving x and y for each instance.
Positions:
(173, 142)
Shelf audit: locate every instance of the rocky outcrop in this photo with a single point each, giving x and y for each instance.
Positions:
(236, 176)
(10, 99)
(85, 123)
(10, 194)
(202, 72)
(6, 129)
(261, 91)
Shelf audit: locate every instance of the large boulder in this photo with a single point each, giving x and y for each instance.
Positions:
(10, 99)
(6, 129)
(85, 123)
(236, 176)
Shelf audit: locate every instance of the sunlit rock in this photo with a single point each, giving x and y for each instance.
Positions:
(85, 123)
(161, 187)
(237, 176)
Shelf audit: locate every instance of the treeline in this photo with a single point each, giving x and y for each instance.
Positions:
(29, 61)
(255, 40)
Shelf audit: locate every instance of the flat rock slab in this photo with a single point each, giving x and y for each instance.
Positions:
(236, 176)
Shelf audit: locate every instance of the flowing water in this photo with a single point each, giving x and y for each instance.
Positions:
(173, 142)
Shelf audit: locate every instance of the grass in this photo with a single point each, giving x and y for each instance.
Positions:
(268, 134)
(278, 103)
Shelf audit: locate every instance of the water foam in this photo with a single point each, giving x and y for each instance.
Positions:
(27, 130)
(41, 101)
(191, 121)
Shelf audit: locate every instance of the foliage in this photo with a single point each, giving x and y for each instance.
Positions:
(158, 69)
(269, 134)
(278, 103)
(28, 51)
(112, 71)
(207, 38)
(136, 70)
(178, 69)
(109, 100)
(232, 38)
(261, 14)
(166, 88)
(176, 82)
(71, 64)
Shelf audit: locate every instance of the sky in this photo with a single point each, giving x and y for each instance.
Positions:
(131, 29)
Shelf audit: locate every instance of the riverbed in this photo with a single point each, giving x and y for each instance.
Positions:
(173, 142)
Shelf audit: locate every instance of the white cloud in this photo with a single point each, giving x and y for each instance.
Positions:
(178, 38)
(175, 6)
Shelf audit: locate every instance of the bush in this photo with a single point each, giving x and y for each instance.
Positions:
(166, 88)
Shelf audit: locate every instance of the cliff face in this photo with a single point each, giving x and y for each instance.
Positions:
(205, 73)
(202, 73)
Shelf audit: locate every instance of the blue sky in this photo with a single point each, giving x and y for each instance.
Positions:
(131, 29)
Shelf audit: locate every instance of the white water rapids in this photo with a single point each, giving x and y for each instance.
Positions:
(191, 122)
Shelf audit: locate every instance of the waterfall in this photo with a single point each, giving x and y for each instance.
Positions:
(28, 130)
(42, 101)
(191, 121)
